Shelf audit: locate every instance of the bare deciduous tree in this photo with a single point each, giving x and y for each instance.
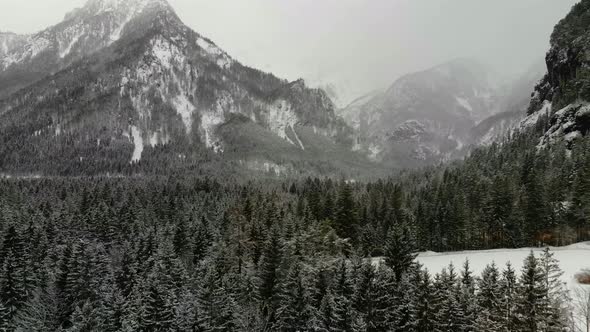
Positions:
(581, 304)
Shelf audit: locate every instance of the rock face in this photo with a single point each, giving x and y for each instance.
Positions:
(424, 117)
(564, 92)
(126, 81)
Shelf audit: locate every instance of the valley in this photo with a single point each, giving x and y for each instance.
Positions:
(150, 181)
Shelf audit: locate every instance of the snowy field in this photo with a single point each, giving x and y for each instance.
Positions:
(572, 260)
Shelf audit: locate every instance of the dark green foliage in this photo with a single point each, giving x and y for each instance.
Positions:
(205, 256)
(345, 219)
(400, 250)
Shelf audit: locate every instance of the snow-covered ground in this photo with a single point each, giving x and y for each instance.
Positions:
(572, 260)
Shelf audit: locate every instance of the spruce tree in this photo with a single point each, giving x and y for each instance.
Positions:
(450, 316)
(424, 298)
(294, 307)
(489, 298)
(400, 251)
(531, 296)
(215, 307)
(269, 274)
(508, 291)
(556, 296)
(345, 218)
(381, 310)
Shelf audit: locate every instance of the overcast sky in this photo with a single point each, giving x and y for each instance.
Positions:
(365, 44)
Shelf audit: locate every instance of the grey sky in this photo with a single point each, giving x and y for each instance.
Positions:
(365, 44)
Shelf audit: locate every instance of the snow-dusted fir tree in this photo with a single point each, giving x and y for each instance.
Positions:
(423, 298)
(294, 309)
(508, 298)
(531, 296)
(400, 250)
(489, 299)
(557, 296)
(449, 311)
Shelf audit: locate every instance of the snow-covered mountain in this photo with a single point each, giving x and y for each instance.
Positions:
(563, 95)
(128, 78)
(426, 116)
(83, 31)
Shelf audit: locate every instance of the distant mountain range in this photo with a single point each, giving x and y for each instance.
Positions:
(126, 87)
(437, 114)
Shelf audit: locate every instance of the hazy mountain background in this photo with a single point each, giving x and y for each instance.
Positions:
(354, 46)
(131, 194)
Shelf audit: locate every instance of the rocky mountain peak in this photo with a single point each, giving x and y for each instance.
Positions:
(129, 77)
(97, 7)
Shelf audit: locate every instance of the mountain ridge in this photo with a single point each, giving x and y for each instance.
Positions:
(160, 87)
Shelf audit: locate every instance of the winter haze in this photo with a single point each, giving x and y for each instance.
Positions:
(356, 45)
(164, 168)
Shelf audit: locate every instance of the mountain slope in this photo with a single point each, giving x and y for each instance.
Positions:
(514, 100)
(564, 93)
(149, 89)
(424, 117)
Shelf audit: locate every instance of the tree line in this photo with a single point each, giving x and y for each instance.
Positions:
(158, 254)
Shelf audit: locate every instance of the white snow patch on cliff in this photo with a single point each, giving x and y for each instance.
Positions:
(532, 119)
(34, 46)
(221, 58)
(298, 139)
(136, 9)
(266, 167)
(281, 117)
(64, 51)
(212, 118)
(138, 143)
(185, 109)
(209, 122)
(374, 152)
(167, 53)
(464, 103)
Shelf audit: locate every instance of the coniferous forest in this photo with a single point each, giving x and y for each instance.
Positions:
(150, 182)
(166, 254)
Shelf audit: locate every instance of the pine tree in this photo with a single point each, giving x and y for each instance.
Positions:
(467, 298)
(423, 298)
(294, 309)
(581, 194)
(345, 217)
(158, 308)
(556, 296)
(111, 309)
(531, 296)
(363, 286)
(497, 211)
(201, 243)
(489, 299)
(329, 315)
(535, 209)
(382, 310)
(84, 319)
(449, 316)
(400, 251)
(508, 292)
(180, 240)
(12, 291)
(340, 293)
(215, 307)
(269, 273)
